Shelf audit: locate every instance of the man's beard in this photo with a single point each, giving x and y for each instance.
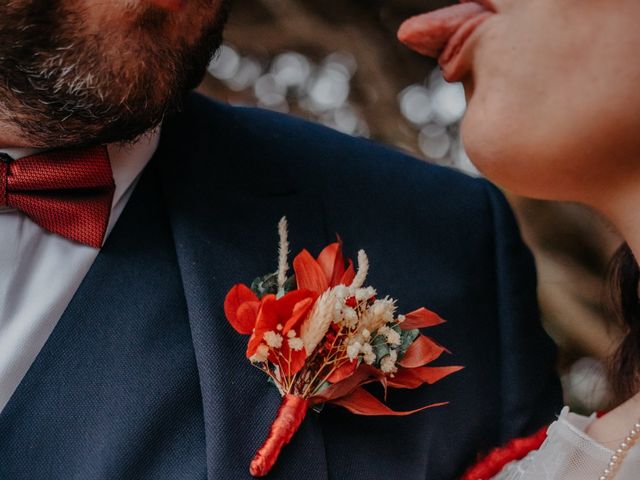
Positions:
(63, 85)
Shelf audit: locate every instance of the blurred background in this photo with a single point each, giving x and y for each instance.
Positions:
(338, 62)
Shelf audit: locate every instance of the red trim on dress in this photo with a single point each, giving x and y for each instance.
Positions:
(498, 458)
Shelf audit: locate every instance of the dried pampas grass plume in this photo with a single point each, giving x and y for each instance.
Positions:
(363, 270)
(316, 326)
(283, 252)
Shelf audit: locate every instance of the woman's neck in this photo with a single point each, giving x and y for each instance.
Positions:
(611, 429)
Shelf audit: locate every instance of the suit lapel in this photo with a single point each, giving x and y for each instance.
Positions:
(224, 234)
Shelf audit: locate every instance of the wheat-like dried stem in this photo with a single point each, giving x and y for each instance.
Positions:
(363, 270)
(315, 327)
(283, 252)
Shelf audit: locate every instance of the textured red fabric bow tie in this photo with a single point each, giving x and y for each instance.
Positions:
(67, 192)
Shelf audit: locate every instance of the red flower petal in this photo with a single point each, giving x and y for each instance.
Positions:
(364, 374)
(237, 296)
(414, 377)
(266, 320)
(344, 371)
(299, 313)
(362, 402)
(247, 314)
(331, 261)
(287, 311)
(422, 351)
(309, 274)
(298, 359)
(349, 275)
(421, 318)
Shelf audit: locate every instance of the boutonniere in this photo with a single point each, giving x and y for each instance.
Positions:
(320, 334)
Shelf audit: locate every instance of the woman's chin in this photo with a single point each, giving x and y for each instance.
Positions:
(510, 165)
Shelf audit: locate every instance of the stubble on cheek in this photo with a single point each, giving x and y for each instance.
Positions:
(102, 74)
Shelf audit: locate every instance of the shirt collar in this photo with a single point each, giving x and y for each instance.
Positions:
(128, 159)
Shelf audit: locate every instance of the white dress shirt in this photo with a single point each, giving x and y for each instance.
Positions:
(40, 271)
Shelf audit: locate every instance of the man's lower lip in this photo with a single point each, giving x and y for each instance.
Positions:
(454, 60)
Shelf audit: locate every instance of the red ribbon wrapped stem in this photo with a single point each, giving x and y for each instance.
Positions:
(288, 420)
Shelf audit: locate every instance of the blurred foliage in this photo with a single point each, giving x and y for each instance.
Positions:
(364, 28)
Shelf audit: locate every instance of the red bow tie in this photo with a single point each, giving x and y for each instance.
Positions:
(67, 192)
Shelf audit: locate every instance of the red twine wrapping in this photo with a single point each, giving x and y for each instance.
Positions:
(498, 458)
(288, 419)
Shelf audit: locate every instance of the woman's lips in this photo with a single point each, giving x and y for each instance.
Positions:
(443, 33)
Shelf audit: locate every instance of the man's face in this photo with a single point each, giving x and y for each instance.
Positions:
(89, 71)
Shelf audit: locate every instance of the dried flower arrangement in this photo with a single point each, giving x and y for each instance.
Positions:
(320, 335)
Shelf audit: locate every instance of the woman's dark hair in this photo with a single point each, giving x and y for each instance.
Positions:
(625, 363)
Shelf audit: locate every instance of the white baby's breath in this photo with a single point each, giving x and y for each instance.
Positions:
(342, 292)
(393, 337)
(385, 309)
(261, 354)
(350, 317)
(273, 339)
(368, 355)
(353, 350)
(296, 343)
(388, 363)
(377, 315)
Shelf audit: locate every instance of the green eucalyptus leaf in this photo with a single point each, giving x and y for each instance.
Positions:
(268, 284)
(380, 347)
(291, 284)
(265, 285)
(407, 337)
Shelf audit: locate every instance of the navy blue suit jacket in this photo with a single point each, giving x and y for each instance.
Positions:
(143, 377)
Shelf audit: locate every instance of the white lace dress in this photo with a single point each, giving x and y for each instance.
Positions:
(569, 453)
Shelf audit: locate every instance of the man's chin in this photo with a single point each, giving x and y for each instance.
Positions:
(66, 97)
